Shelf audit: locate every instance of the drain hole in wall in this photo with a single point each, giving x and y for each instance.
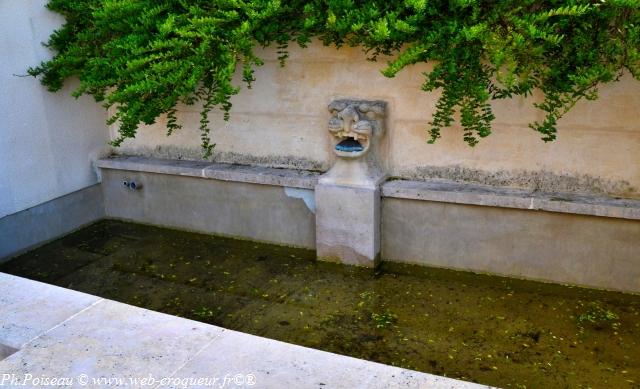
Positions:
(6, 351)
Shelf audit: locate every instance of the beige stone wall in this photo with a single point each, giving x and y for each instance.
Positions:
(597, 252)
(282, 120)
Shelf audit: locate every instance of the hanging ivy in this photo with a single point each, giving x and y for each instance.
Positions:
(144, 57)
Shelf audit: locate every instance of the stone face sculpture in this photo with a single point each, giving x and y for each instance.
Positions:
(348, 195)
(356, 127)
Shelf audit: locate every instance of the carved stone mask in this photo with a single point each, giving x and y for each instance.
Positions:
(355, 125)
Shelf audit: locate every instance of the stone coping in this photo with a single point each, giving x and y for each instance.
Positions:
(50, 332)
(454, 192)
(217, 171)
(434, 190)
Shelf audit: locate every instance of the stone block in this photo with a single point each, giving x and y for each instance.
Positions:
(348, 224)
(28, 309)
(114, 340)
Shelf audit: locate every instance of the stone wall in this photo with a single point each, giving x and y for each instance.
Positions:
(581, 240)
(281, 122)
(598, 252)
(267, 213)
(48, 139)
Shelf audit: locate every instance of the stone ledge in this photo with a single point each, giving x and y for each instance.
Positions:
(437, 190)
(458, 193)
(216, 171)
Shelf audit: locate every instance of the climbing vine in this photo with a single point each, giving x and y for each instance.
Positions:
(143, 58)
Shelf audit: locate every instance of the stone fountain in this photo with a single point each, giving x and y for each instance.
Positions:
(348, 195)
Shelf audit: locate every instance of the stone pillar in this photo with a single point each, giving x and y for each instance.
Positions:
(348, 195)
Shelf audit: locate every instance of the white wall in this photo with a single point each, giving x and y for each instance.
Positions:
(47, 140)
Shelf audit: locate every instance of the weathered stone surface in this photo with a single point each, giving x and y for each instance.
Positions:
(29, 308)
(262, 175)
(454, 192)
(238, 209)
(449, 224)
(542, 179)
(218, 171)
(432, 190)
(558, 247)
(111, 340)
(356, 128)
(154, 165)
(348, 224)
(348, 195)
(278, 121)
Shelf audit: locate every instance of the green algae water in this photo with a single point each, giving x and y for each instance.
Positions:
(492, 330)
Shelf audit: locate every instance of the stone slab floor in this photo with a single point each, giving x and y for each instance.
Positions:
(55, 337)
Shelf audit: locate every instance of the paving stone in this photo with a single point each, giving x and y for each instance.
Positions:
(112, 340)
(29, 308)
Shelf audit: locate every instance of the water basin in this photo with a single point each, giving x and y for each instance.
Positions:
(492, 330)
